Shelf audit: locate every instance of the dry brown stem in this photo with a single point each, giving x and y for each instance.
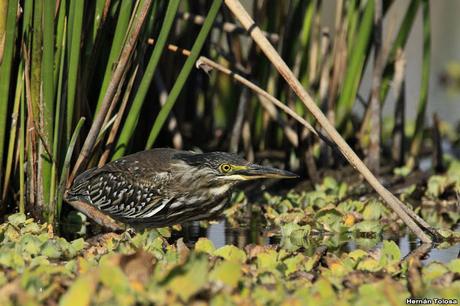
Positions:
(241, 14)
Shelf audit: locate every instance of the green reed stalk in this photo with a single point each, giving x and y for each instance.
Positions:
(58, 126)
(27, 18)
(355, 65)
(7, 35)
(124, 16)
(47, 79)
(186, 69)
(3, 18)
(98, 18)
(304, 39)
(417, 137)
(134, 112)
(59, 47)
(76, 6)
(13, 130)
(36, 147)
(352, 24)
(66, 168)
(399, 43)
(22, 170)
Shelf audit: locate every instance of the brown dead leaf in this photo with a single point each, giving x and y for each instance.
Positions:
(138, 266)
(182, 250)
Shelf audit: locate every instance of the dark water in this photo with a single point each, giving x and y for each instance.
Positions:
(221, 234)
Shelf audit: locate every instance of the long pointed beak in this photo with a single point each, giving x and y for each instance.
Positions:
(254, 171)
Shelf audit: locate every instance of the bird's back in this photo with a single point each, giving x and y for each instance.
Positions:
(129, 189)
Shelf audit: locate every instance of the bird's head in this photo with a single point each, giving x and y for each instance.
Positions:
(226, 167)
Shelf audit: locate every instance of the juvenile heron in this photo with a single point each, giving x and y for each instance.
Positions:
(162, 187)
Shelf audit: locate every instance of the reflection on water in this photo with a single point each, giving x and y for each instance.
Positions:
(436, 254)
(221, 234)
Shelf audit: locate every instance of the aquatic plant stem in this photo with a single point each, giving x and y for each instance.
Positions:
(241, 14)
(7, 42)
(111, 90)
(417, 137)
(183, 75)
(134, 110)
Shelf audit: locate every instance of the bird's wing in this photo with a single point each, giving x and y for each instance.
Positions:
(134, 186)
(119, 195)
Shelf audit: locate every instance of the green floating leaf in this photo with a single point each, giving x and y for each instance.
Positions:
(330, 218)
(231, 252)
(296, 230)
(329, 185)
(390, 254)
(293, 263)
(367, 243)
(227, 272)
(454, 265)
(368, 226)
(13, 260)
(316, 198)
(357, 254)
(350, 206)
(402, 171)
(113, 278)
(408, 191)
(17, 219)
(436, 185)
(432, 271)
(3, 279)
(374, 210)
(164, 232)
(78, 244)
(369, 264)
(30, 244)
(205, 245)
(378, 293)
(81, 291)
(32, 228)
(324, 291)
(189, 279)
(51, 249)
(267, 260)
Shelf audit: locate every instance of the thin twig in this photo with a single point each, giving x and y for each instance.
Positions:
(111, 90)
(225, 26)
(247, 22)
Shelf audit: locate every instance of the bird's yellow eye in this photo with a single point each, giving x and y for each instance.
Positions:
(224, 168)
